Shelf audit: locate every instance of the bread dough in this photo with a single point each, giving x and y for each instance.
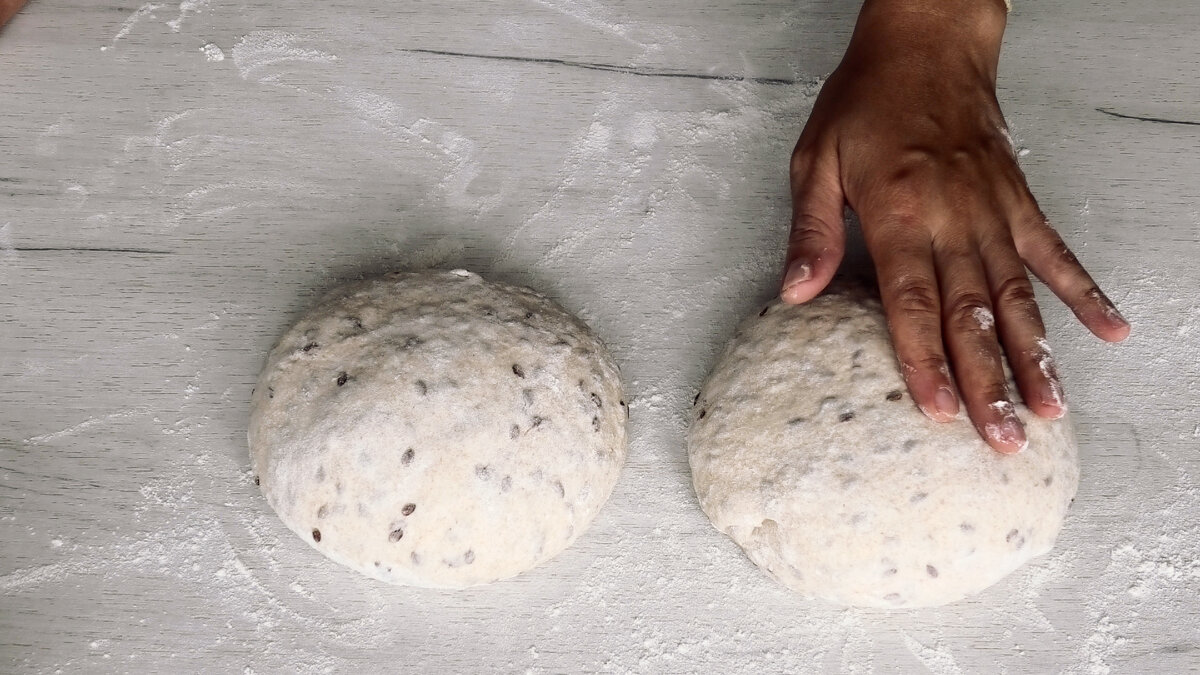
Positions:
(435, 429)
(807, 450)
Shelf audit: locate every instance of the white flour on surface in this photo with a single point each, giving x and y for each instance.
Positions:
(655, 207)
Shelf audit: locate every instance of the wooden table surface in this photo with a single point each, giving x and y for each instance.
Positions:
(180, 179)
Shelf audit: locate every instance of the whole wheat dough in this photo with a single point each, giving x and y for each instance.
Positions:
(806, 449)
(435, 429)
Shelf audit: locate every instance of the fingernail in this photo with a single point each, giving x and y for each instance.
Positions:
(1052, 396)
(1009, 432)
(1110, 310)
(799, 272)
(1116, 314)
(946, 402)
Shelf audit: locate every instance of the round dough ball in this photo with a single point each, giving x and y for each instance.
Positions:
(435, 429)
(807, 450)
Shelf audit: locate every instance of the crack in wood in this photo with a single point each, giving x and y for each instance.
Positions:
(1160, 120)
(78, 249)
(606, 67)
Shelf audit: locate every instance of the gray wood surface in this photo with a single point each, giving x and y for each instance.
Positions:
(178, 180)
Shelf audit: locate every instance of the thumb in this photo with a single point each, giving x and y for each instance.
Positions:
(818, 238)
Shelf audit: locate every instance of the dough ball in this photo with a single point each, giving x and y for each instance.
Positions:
(435, 429)
(807, 450)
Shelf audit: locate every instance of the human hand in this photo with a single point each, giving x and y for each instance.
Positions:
(8, 8)
(907, 132)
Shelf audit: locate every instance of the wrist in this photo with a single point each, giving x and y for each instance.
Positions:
(937, 29)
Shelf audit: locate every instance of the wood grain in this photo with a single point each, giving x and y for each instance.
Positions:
(180, 179)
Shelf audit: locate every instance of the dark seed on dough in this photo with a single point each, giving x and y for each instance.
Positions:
(408, 509)
(697, 399)
(846, 417)
(1048, 481)
(895, 395)
(764, 310)
(518, 371)
(537, 422)
(891, 571)
(422, 388)
(596, 424)
(309, 347)
(407, 457)
(561, 491)
(469, 557)
(257, 481)
(596, 400)
(931, 571)
(270, 392)
(1012, 534)
(966, 527)
(702, 414)
(342, 379)
(528, 315)
(395, 535)
(316, 535)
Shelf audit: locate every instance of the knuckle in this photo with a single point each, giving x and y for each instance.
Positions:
(990, 390)
(926, 362)
(809, 223)
(1062, 254)
(1016, 293)
(1043, 243)
(915, 297)
(807, 228)
(1093, 295)
(969, 311)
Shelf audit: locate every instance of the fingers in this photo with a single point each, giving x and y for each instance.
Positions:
(969, 327)
(1021, 331)
(908, 286)
(818, 237)
(1053, 262)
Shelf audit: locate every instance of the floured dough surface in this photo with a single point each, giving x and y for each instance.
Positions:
(435, 429)
(807, 450)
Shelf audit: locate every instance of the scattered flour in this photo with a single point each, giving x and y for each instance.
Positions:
(652, 589)
(264, 48)
(984, 318)
(141, 12)
(186, 9)
(936, 657)
(212, 52)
